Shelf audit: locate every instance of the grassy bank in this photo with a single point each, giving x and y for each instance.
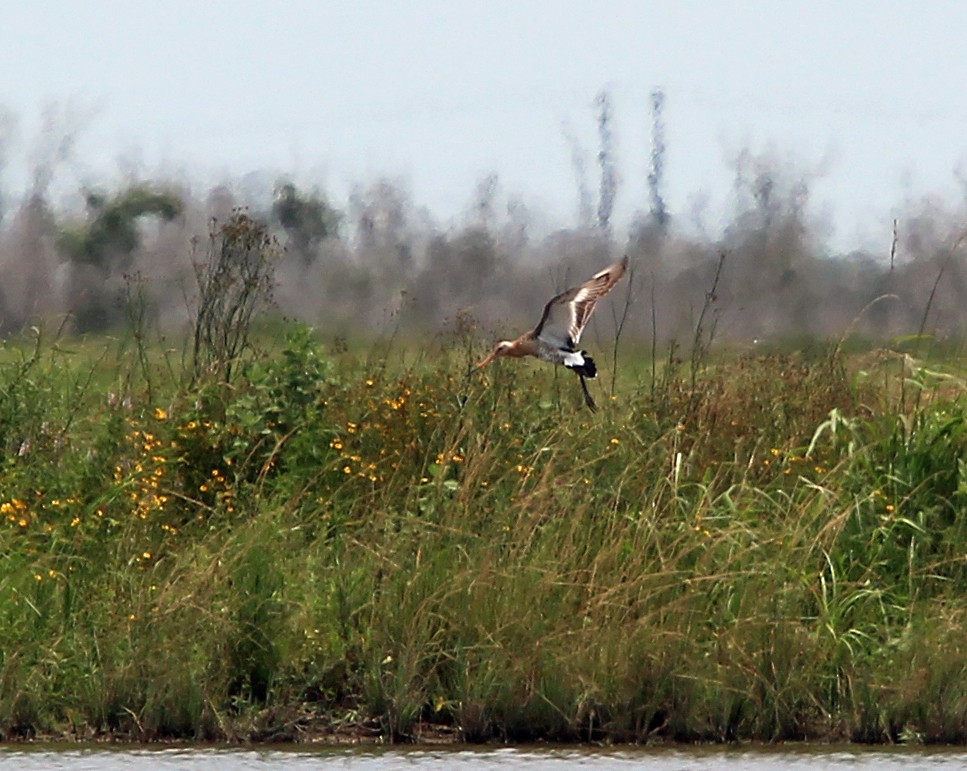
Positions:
(345, 542)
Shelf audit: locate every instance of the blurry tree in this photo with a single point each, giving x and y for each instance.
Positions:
(773, 273)
(460, 271)
(649, 230)
(60, 125)
(484, 202)
(110, 237)
(307, 220)
(580, 169)
(382, 217)
(220, 203)
(514, 235)
(26, 274)
(27, 270)
(8, 126)
(381, 214)
(656, 175)
(102, 250)
(477, 261)
(606, 160)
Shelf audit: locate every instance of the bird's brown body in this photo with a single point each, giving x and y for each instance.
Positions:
(556, 336)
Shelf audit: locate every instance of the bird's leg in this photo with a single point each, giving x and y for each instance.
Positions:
(587, 395)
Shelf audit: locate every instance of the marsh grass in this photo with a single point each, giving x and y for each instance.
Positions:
(331, 542)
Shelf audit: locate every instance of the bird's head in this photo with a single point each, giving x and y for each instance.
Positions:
(503, 348)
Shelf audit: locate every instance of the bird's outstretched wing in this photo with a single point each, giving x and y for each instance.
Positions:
(566, 315)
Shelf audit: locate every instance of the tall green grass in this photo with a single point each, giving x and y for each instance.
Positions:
(345, 542)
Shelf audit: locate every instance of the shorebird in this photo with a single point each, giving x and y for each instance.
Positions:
(557, 334)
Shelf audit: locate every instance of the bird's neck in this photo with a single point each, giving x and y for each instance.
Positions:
(525, 345)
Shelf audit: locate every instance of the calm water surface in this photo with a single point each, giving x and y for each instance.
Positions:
(37, 758)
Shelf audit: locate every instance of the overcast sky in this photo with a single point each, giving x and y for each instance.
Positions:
(866, 99)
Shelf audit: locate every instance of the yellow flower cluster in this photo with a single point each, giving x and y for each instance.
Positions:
(352, 463)
(793, 463)
(221, 486)
(146, 474)
(51, 574)
(16, 512)
(20, 514)
(386, 433)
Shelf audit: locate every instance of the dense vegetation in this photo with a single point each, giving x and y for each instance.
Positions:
(218, 524)
(767, 546)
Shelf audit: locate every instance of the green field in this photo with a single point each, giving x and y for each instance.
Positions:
(365, 542)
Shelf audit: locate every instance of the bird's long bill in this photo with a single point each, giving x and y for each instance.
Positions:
(490, 357)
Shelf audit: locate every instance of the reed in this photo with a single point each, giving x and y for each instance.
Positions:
(768, 548)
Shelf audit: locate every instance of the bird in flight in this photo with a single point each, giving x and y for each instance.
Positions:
(557, 334)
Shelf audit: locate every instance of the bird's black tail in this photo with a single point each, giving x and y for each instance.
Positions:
(587, 369)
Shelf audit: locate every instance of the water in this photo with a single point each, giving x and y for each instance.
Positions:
(806, 758)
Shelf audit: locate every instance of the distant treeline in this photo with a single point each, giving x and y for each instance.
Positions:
(379, 260)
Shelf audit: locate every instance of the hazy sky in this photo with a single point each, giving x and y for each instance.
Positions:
(866, 99)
